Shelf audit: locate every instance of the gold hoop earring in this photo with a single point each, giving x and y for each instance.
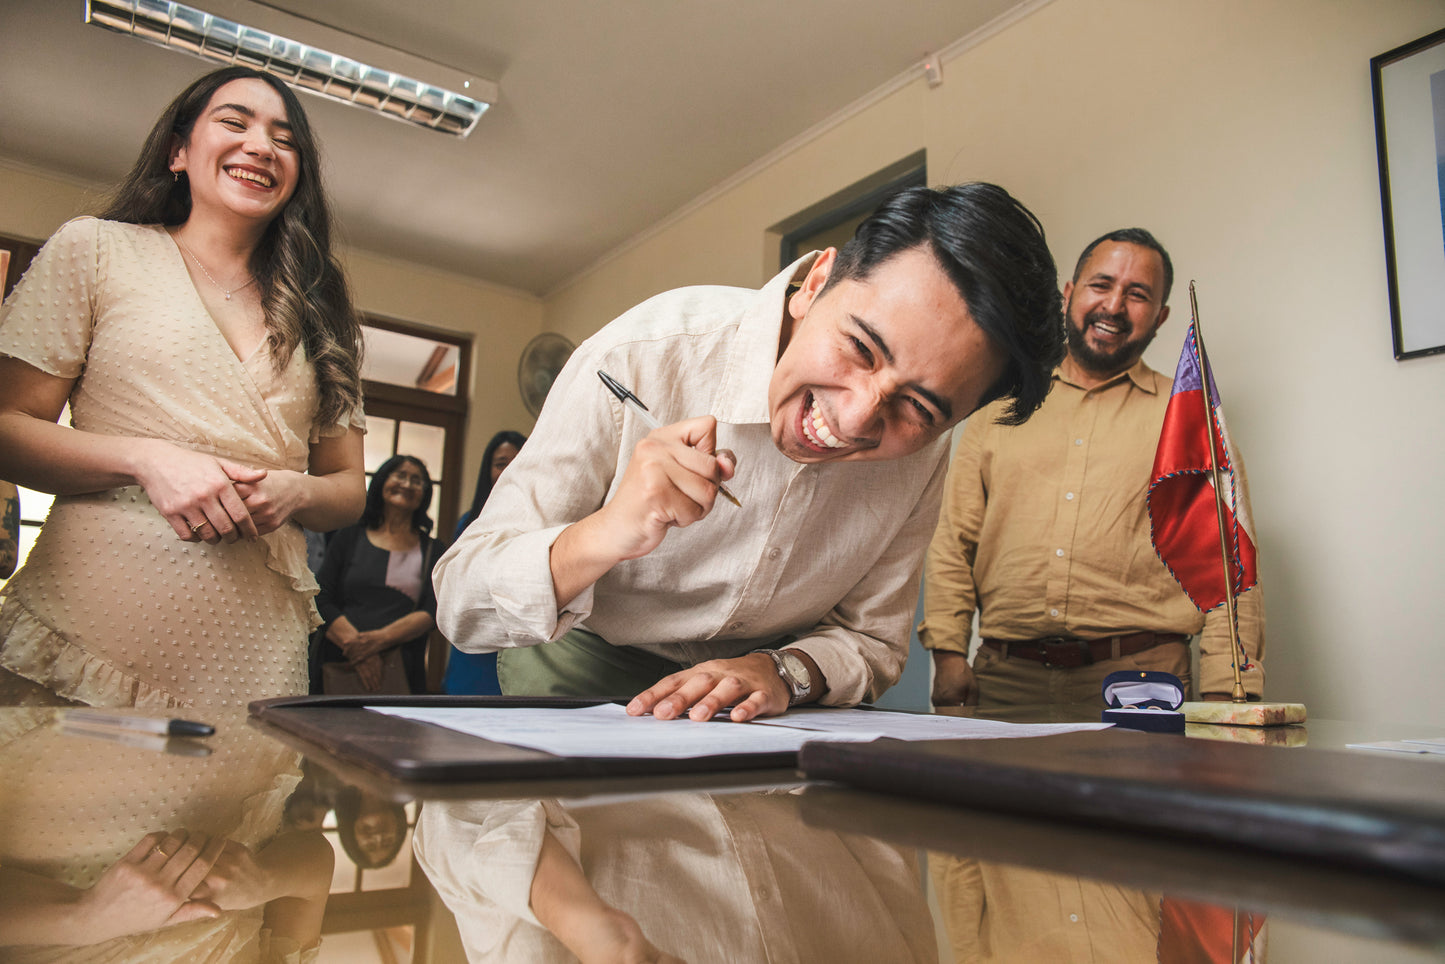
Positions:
(176, 176)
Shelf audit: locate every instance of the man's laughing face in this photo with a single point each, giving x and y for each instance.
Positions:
(877, 367)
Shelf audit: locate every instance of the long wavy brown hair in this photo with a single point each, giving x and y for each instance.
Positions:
(303, 289)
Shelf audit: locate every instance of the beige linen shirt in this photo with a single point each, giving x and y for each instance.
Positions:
(829, 553)
(1045, 531)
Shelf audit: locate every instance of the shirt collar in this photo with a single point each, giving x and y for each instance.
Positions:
(743, 397)
(1139, 373)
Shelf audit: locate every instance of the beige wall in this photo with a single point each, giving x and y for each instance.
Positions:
(502, 320)
(1241, 133)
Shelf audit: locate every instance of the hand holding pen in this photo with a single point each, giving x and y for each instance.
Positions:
(672, 480)
(648, 419)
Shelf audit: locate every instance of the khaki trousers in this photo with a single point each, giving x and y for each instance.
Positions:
(1023, 682)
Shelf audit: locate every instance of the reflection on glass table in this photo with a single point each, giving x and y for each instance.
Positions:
(111, 849)
(750, 867)
(700, 877)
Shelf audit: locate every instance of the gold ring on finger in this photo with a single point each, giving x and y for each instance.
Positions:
(160, 850)
(197, 526)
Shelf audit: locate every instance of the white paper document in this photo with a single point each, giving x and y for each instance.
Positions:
(607, 730)
(1428, 747)
(916, 726)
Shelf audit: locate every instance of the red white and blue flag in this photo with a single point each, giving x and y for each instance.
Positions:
(1183, 518)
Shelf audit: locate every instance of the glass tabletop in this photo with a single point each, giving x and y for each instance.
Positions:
(275, 843)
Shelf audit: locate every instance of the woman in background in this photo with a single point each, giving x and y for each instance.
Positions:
(499, 453)
(204, 337)
(475, 674)
(376, 594)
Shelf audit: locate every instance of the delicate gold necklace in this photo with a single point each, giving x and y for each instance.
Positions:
(219, 286)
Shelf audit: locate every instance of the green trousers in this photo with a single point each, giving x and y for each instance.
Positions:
(583, 664)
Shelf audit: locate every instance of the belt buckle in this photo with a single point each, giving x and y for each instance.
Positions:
(1079, 646)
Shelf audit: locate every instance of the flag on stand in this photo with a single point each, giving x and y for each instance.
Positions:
(1183, 518)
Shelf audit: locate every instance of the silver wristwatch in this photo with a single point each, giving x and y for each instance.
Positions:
(794, 673)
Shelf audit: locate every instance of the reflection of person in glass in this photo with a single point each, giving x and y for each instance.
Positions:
(9, 528)
(475, 674)
(1005, 914)
(376, 589)
(698, 877)
(120, 852)
(371, 830)
(203, 336)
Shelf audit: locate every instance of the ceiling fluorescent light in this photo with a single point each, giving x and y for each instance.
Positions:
(416, 91)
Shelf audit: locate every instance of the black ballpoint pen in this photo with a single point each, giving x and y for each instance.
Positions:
(140, 724)
(627, 398)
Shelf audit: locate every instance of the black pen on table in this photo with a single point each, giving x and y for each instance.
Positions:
(144, 741)
(627, 398)
(138, 724)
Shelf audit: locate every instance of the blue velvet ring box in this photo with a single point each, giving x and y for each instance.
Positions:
(1144, 700)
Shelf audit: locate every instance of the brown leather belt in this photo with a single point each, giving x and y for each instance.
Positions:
(1063, 652)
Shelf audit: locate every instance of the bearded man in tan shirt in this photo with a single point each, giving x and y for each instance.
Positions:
(1045, 529)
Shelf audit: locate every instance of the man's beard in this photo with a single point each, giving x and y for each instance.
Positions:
(1104, 363)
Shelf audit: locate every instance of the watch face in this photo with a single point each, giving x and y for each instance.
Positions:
(797, 673)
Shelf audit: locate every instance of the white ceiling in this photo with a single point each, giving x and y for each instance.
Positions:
(612, 114)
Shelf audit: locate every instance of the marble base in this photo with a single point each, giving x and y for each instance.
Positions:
(1244, 714)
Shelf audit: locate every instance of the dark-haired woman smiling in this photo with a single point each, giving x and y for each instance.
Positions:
(376, 593)
(203, 335)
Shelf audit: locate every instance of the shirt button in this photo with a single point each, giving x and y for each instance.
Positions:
(734, 627)
(1069, 496)
(764, 893)
(774, 553)
(1074, 918)
(1078, 441)
(1053, 612)
(1058, 552)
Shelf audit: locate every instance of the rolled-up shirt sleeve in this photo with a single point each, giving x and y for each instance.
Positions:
(494, 586)
(482, 856)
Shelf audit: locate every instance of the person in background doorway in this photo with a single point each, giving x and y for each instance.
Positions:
(475, 674)
(500, 452)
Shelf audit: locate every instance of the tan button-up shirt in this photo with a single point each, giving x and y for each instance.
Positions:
(1045, 532)
(829, 553)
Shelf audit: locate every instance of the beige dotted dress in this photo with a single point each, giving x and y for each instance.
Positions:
(111, 608)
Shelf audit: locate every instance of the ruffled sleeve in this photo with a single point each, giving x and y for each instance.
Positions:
(355, 418)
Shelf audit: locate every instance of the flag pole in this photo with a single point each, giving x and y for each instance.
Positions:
(1239, 695)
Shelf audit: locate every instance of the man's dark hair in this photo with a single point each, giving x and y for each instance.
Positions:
(993, 250)
(1132, 236)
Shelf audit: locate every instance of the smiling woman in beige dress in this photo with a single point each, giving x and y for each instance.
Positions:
(203, 335)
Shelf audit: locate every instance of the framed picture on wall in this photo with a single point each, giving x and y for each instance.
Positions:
(1409, 86)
